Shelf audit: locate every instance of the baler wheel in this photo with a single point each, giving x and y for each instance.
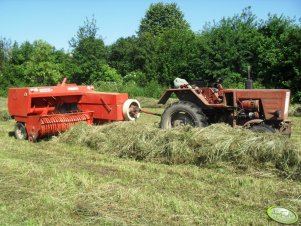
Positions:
(20, 131)
(262, 128)
(183, 113)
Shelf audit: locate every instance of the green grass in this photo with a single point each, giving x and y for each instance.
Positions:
(56, 183)
(296, 130)
(3, 103)
(4, 115)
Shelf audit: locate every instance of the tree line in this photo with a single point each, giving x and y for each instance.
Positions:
(164, 48)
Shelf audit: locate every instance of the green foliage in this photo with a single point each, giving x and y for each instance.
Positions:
(88, 30)
(106, 74)
(32, 64)
(163, 49)
(150, 89)
(148, 50)
(229, 47)
(125, 55)
(41, 67)
(280, 56)
(297, 97)
(176, 55)
(160, 17)
(88, 54)
(5, 45)
(137, 77)
(166, 44)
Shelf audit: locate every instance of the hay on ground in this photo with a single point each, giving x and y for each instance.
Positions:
(4, 115)
(187, 145)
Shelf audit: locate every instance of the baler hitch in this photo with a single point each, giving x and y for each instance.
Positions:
(149, 112)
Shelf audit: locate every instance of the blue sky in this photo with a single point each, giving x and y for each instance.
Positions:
(57, 21)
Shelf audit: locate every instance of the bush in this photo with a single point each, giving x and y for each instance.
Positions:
(296, 98)
(106, 74)
(137, 77)
(151, 89)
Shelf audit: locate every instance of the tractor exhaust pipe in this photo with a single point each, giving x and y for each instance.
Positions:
(249, 81)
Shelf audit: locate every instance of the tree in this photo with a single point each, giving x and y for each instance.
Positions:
(42, 67)
(134, 54)
(160, 17)
(177, 55)
(21, 53)
(227, 48)
(5, 46)
(88, 30)
(106, 74)
(32, 64)
(150, 53)
(89, 52)
(280, 54)
(125, 55)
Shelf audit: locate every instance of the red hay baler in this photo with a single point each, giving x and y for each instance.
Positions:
(45, 111)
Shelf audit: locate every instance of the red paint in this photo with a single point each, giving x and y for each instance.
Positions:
(54, 109)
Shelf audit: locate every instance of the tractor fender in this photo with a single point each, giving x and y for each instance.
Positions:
(165, 96)
(184, 94)
(190, 95)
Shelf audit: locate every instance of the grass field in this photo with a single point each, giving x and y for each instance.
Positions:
(58, 183)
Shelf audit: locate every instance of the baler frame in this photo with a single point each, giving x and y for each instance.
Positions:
(46, 111)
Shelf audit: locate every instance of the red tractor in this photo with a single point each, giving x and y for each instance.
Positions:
(261, 110)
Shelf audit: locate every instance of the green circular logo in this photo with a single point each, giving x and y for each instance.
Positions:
(282, 215)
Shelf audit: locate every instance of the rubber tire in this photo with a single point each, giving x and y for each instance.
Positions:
(262, 128)
(195, 113)
(20, 131)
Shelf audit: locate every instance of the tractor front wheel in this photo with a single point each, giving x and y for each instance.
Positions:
(183, 113)
(20, 131)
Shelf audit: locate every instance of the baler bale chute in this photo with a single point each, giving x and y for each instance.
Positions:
(45, 111)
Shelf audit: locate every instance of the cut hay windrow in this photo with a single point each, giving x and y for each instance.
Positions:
(295, 110)
(4, 115)
(186, 145)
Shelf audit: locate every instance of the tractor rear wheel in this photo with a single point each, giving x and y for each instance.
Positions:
(20, 131)
(183, 113)
(262, 128)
